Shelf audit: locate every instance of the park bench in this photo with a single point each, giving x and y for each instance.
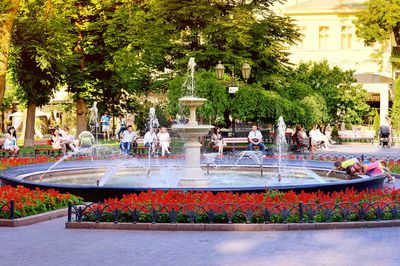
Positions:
(4, 153)
(357, 136)
(50, 151)
(140, 150)
(297, 147)
(236, 143)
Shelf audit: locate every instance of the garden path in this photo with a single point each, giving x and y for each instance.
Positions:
(49, 243)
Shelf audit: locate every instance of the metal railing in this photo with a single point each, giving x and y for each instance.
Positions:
(8, 208)
(233, 213)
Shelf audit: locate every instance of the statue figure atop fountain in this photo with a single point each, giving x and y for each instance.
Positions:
(194, 176)
(94, 119)
(153, 121)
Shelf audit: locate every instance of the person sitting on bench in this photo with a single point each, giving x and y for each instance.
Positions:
(302, 139)
(255, 139)
(10, 143)
(128, 138)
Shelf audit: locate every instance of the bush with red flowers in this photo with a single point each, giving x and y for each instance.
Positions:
(29, 202)
(339, 206)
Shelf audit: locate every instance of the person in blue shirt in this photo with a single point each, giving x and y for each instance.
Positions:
(105, 120)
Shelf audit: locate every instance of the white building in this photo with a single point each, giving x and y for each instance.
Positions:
(329, 33)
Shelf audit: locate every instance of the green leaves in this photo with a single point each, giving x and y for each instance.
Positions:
(380, 19)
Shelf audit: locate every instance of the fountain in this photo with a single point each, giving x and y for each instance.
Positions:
(193, 174)
(96, 180)
(94, 120)
(280, 140)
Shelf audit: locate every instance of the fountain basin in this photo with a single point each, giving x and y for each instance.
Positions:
(28, 176)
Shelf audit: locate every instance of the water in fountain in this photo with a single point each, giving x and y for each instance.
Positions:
(280, 139)
(256, 156)
(63, 158)
(209, 159)
(189, 83)
(94, 120)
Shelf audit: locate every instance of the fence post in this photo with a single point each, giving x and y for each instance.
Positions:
(69, 211)
(300, 212)
(12, 208)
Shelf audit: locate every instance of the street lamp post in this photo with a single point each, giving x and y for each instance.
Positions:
(233, 87)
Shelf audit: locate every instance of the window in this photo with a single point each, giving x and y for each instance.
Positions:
(346, 38)
(302, 29)
(323, 37)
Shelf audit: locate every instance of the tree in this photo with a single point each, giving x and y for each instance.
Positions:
(396, 108)
(378, 21)
(8, 11)
(230, 31)
(37, 47)
(331, 89)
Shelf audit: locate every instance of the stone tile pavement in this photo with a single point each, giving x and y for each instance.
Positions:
(49, 243)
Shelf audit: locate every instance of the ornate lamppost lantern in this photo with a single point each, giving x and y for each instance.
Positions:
(220, 70)
(246, 69)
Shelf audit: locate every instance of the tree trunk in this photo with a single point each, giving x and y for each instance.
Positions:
(81, 116)
(30, 125)
(5, 40)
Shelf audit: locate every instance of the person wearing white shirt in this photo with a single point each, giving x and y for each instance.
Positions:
(164, 140)
(150, 140)
(317, 137)
(255, 139)
(127, 139)
(10, 143)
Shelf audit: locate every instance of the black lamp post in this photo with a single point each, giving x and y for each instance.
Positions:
(233, 87)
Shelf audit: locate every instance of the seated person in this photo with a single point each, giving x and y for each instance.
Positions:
(57, 140)
(317, 137)
(301, 138)
(10, 143)
(164, 139)
(342, 165)
(217, 140)
(255, 139)
(127, 139)
(150, 140)
(69, 140)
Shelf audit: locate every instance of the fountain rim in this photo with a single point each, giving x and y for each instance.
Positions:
(8, 177)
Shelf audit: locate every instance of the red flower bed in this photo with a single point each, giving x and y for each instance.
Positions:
(30, 202)
(275, 197)
(271, 206)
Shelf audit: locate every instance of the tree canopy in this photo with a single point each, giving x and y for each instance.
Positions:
(378, 21)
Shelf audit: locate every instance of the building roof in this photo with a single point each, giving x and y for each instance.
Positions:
(325, 6)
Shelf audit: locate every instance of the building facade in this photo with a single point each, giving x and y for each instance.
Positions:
(328, 32)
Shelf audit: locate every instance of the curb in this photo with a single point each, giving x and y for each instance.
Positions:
(34, 218)
(231, 227)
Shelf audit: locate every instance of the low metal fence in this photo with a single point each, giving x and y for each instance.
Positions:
(233, 213)
(7, 209)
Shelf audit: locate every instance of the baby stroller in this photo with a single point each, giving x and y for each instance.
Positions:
(384, 135)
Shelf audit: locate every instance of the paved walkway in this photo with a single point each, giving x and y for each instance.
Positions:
(48, 243)
(362, 148)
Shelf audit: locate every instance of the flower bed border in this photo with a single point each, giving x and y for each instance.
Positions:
(231, 227)
(34, 218)
(305, 211)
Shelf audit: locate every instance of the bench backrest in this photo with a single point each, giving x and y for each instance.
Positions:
(236, 140)
(42, 142)
(140, 141)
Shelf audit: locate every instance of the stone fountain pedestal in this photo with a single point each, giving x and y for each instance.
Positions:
(193, 174)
